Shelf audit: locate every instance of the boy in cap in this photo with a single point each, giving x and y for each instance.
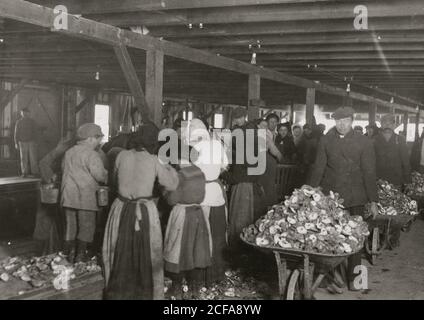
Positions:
(83, 170)
(345, 164)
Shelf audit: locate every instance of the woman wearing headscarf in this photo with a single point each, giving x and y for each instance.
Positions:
(285, 143)
(196, 233)
(132, 247)
(267, 180)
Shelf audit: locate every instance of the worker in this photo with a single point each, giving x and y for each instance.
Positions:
(392, 160)
(345, 164)
(417, 154)
(273, 120)
(49, 224)
(247, 194)
(26, 133)
(297, 134)
(268, 179)
(83, 170)
(371, 131)
(307, 150)
(132, 246)
(285, 143)
(195, 237)
(359, 129)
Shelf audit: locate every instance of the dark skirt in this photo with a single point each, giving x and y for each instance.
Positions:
(246, 206)
(218, 224)
(195, 243)
(131, 273)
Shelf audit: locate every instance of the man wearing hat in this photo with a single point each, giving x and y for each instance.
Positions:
(83, 170)
(26, 133)
(392, 160)
(345, 164)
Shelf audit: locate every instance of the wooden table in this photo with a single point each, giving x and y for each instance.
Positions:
(19, 199)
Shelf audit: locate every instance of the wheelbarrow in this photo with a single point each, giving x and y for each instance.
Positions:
(301, 272)
(380, 233)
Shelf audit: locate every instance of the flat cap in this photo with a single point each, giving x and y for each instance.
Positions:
(239, 112)
(342, 113)
(88, 130)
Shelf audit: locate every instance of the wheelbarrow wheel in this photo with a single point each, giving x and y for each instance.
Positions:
(375, 245)
(293, 292)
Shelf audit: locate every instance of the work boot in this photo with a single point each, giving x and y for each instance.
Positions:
(69, 250)
(82, 254)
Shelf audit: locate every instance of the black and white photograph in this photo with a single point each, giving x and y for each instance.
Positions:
(213, 155)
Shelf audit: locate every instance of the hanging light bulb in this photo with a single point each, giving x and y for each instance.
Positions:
(259, 45)
(253, 60)
(250, 46)
(190, 26)
(348, 87)
(309, 66)
(97, 77)
(201, 25)
(392, 100)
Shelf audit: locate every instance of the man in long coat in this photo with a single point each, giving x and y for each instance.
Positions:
(392, 160)
(345, 164)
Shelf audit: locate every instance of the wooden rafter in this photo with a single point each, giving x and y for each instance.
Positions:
(87, 29)
(132, 79)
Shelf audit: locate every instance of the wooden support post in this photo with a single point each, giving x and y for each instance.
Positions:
(128, 69)
(71, 118)
(5, 99)
(405, 123)
(372, 113)
(417, 123)
(154, 84)
(310, 105)
(291, 111)
(254, 94)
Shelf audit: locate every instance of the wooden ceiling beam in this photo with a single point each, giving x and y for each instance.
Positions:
(303, 39)
(312, 57)
(112, 6)
(87, 29)
(321, 48)
(289, 27)
(253, 14)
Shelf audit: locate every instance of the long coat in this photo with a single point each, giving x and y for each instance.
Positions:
(83, 169)
(347, 166)
(392, 159)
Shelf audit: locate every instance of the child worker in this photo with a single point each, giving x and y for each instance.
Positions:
(196, 233)
(83, 170)
(132, 246)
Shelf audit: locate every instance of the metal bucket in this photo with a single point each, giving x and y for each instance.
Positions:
(49, 194)
(103, 196)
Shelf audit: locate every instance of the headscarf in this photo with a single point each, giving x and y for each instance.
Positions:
(145, 138)
(211, 160)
